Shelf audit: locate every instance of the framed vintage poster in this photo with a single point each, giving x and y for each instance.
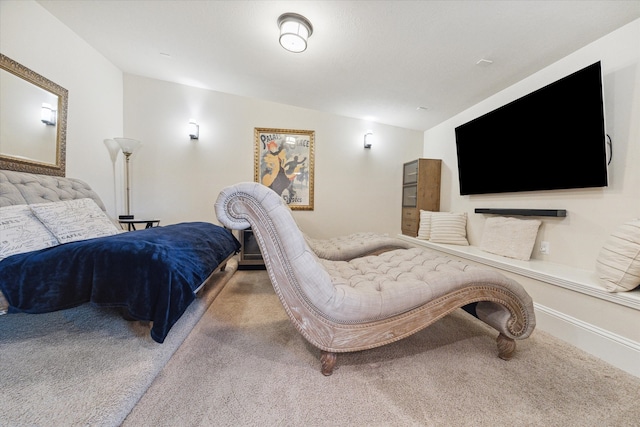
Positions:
(284, 162)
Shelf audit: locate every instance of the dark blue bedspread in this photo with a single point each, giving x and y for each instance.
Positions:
(153, 273)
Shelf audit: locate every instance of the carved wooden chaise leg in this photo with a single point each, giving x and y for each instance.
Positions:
(506, 347)
(328, 361)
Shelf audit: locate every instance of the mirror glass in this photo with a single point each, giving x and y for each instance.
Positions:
(33, 121)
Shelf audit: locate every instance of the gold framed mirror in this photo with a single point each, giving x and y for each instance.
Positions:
(31, 141)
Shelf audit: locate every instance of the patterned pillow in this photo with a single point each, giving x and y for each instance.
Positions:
(449, 228)
(72, 220)
(20, 231)
(424, 231)
(510, 237)
(618, 264)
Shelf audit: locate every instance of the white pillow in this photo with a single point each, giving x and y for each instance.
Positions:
(20, 231)
(510, 237)
(424, 230)
(449, 228)
(618, 264)
(72, 220)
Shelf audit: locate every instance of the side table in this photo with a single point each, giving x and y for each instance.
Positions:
(131, 223)
(250, 255)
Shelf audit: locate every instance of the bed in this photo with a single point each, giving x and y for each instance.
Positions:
(59, 249)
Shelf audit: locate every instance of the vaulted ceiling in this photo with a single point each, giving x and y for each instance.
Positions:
(411, 64)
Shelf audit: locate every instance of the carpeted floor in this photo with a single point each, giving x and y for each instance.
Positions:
(84, 366)
(244, 364)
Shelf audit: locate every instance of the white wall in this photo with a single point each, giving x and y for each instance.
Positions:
(33, 37)
(604, 328)
(592, 213)
(176, 179)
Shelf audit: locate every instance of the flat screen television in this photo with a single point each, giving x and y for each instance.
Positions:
(550, 139)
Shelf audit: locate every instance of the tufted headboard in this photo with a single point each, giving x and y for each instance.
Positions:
(21, 188)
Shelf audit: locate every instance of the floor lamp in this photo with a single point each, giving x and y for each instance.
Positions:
(114, 150)
(128, 146)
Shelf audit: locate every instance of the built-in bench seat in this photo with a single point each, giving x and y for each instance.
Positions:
(575, 279)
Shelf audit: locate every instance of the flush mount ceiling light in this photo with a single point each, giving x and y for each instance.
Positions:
(294, 31)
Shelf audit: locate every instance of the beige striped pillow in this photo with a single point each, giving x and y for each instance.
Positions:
(449, 228)
(424, 230)
(510, 237)
(618, 263)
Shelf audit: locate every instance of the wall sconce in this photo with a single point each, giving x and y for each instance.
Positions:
(368, 139)
(294, 31)
(194, 129)
(48, 115)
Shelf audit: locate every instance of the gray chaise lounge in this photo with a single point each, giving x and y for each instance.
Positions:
(341, 306)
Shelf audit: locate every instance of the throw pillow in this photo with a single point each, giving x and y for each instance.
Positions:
(618, 264)
(424, 230)
(449, 228)
(510, 237)
(20, 231)
(72, 220)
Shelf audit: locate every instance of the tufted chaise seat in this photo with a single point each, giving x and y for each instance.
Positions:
(378, 287)
(344, 306)
(344, 248)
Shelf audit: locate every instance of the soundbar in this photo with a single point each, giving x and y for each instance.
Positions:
(523, 212)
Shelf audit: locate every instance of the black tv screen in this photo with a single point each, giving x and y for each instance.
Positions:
(550, 139)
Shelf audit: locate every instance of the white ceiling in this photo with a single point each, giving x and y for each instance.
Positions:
(378, 60)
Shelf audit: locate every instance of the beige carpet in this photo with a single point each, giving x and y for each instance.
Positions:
(85, 366)
(244, 364)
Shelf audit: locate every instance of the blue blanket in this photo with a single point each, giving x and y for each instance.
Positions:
(153, 273)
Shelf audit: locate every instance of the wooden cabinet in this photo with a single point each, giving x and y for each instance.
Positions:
(420, 190)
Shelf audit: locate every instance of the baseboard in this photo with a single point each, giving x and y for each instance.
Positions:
(614, 349)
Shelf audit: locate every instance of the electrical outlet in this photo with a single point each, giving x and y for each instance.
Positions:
(544, 248)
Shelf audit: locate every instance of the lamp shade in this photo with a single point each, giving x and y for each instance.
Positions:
(128, 145)
(113, 147)
(294, 31)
